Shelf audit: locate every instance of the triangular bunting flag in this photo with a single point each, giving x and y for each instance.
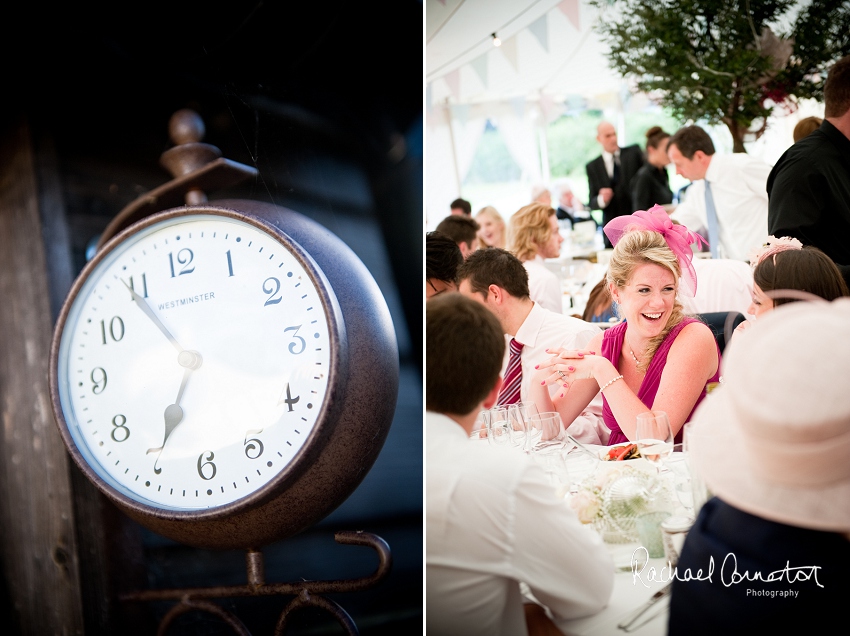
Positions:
(460, 113)
(518, 104)
(539, 30)
(509, 49)
(479, 65)
(453, 81)
(570, 9)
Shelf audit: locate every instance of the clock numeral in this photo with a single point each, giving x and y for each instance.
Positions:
(144, 293)
(272, 291)
(116, 329)
(289, 400)
(229, 264)
(120, 429)
(98, 378)
(184, 258)
(252, 445)
(293, 345)
(206, 465)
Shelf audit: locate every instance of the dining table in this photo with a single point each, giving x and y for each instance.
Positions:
(639, 603)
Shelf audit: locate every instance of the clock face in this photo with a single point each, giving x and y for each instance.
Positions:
(194, 361)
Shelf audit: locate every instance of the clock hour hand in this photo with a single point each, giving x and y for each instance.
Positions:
(140, 302)
(191, 360)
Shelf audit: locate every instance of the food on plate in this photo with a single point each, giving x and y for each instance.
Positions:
(621, 453)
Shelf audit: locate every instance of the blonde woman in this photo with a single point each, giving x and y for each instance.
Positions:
(492, 232)
(534, 236)
(657, 358)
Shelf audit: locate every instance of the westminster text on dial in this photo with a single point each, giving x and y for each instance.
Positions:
(188, 300)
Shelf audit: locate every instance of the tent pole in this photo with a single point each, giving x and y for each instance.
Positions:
(454, 151)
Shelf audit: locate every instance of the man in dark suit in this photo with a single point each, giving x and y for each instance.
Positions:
(610, 174)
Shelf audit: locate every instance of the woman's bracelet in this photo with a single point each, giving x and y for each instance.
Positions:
(610, 382)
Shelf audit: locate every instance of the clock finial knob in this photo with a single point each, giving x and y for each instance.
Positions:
(186, 126)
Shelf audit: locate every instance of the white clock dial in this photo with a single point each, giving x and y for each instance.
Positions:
(194, 362)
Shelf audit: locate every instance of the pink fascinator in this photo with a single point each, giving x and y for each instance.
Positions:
(772, 247)
(679, 238)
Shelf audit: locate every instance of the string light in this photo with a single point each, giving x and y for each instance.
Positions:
(496, 40)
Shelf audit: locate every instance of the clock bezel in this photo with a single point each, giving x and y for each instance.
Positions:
(323, 427)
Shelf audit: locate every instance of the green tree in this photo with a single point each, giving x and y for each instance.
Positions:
(725, 62)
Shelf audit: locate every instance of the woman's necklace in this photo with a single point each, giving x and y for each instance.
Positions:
(631, 351)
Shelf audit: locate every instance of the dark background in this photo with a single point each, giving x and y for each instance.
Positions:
(325, 100)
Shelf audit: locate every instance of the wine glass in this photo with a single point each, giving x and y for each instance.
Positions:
(654, 437)
(518, 414)
(543, 431)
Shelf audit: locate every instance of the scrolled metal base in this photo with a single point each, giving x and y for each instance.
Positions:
(307, 593)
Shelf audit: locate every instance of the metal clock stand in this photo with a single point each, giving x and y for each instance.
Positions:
(307, 593)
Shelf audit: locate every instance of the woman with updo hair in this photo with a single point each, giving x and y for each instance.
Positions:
(782, 266)
(651, 185)
(657, 358)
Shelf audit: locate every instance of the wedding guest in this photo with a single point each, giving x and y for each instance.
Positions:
(600, 307)
(726, 198)
(492, 519)
(657, 358)
(569, 207)
(461, 207)
(492, 232)
(464, 231)
(651, 184)
(497, 279)
(809, 187)
(535, 236)
(610, 175)
(540, 193)
(771, 444)
(806, 126)
(442, 258)
(783, 264)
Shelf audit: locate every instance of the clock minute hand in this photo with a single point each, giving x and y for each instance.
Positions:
(143, 305)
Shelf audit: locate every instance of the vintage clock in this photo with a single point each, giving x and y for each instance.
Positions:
(226, 373)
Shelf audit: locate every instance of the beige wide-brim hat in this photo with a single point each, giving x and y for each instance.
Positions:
(774, 438)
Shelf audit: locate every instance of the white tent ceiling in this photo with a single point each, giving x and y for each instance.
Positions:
(548, 49)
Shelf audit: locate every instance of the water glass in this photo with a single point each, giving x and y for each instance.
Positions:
(498, 432)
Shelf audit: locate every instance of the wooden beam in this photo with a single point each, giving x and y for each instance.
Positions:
(39, 550)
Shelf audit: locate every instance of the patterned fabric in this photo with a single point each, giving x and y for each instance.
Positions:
(513, 376)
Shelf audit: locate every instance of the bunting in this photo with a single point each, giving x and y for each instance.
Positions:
(509, 50)
(570, 9)
(539, 29)
(479, 65)
(453, 81)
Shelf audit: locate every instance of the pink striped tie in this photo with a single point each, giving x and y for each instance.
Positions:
(513, 376)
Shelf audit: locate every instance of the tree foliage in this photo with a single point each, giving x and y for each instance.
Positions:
(725, 62)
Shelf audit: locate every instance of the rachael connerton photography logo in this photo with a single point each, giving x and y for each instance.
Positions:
(728, 574)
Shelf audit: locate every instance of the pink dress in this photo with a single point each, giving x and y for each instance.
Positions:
(612, 345)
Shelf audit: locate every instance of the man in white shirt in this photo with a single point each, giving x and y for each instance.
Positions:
(737, 190)
(535, 236)
(496, 279)
(493, 521)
